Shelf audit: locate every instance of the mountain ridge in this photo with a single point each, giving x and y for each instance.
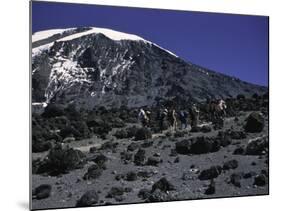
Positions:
(93, 69)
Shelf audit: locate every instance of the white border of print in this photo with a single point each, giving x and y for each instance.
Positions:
(14, 87)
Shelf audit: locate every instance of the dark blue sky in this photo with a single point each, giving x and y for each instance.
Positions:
(235, 45)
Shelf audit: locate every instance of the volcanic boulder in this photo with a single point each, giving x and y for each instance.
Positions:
(211, 189)
(153, 161)
(235, 179)
(198, 145)
(100, 160)
(231, 164)
(260, 180)
(254, 123)
(159, 196)
(88, 199)
(42, 191)
(143, 133)
(144, 193)
(139, 158)
(257, 146)
(131, 176)
(117, 193)
(62, 160)
(211, 173)
(94, 172)
(163, 184)
(133, 146)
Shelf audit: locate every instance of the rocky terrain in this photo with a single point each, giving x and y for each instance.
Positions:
(89, 148)
(111, 159)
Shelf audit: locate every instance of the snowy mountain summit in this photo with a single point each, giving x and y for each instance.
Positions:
(96, 66)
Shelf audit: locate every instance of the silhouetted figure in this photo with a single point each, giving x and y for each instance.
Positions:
(194, 116)
(183, 115)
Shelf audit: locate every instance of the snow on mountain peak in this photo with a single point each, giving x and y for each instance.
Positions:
(41, 35)
(111, 34)
(114, 35)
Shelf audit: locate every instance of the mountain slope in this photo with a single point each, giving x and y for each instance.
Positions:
(95, 66)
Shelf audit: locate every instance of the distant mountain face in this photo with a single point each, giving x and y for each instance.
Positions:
(101, 67)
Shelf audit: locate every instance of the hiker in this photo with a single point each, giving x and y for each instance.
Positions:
(143, 118)
(220, 113)
(194, 116)
(163, 118)
(183, 119)
(222, 107)
(217, 109)
(172, 118)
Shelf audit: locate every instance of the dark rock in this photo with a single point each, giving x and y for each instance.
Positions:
(131, 131)
(257, 147)
(139, 158)
(206, 129)
(159, 196)
(168, 134)
(94, 172)
(143, 133)
(62, 160)
(235, 179)
(163, 184)
(210, 173)
(100, 160)
(128, 189)
(254, 123)
(204, 144)
(157, 154)
(211, 189)
(260, 180)
(41, 145)
(183, 147)
(69, 131)
(119, 177)
(240, 97)
(147, 144)
(121, 134)
(109, 145)
(53, 110)
(153, 161)
(119, 198)
(88, 199)
(224, 138)
(231, 164)
(173, 153)
(145, 174)
(239, 151)
(264, 172)
(115, 191)
(249, 174)
(132, 147)
(237, 134)
(144, 194)
(179, 134)
(126, 156)
(198, 145)
(131, 176)
(195, 129)
(177, 159)
(42, 191)
(93, 149)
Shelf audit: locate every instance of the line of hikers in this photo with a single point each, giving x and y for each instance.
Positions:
(165, 116)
